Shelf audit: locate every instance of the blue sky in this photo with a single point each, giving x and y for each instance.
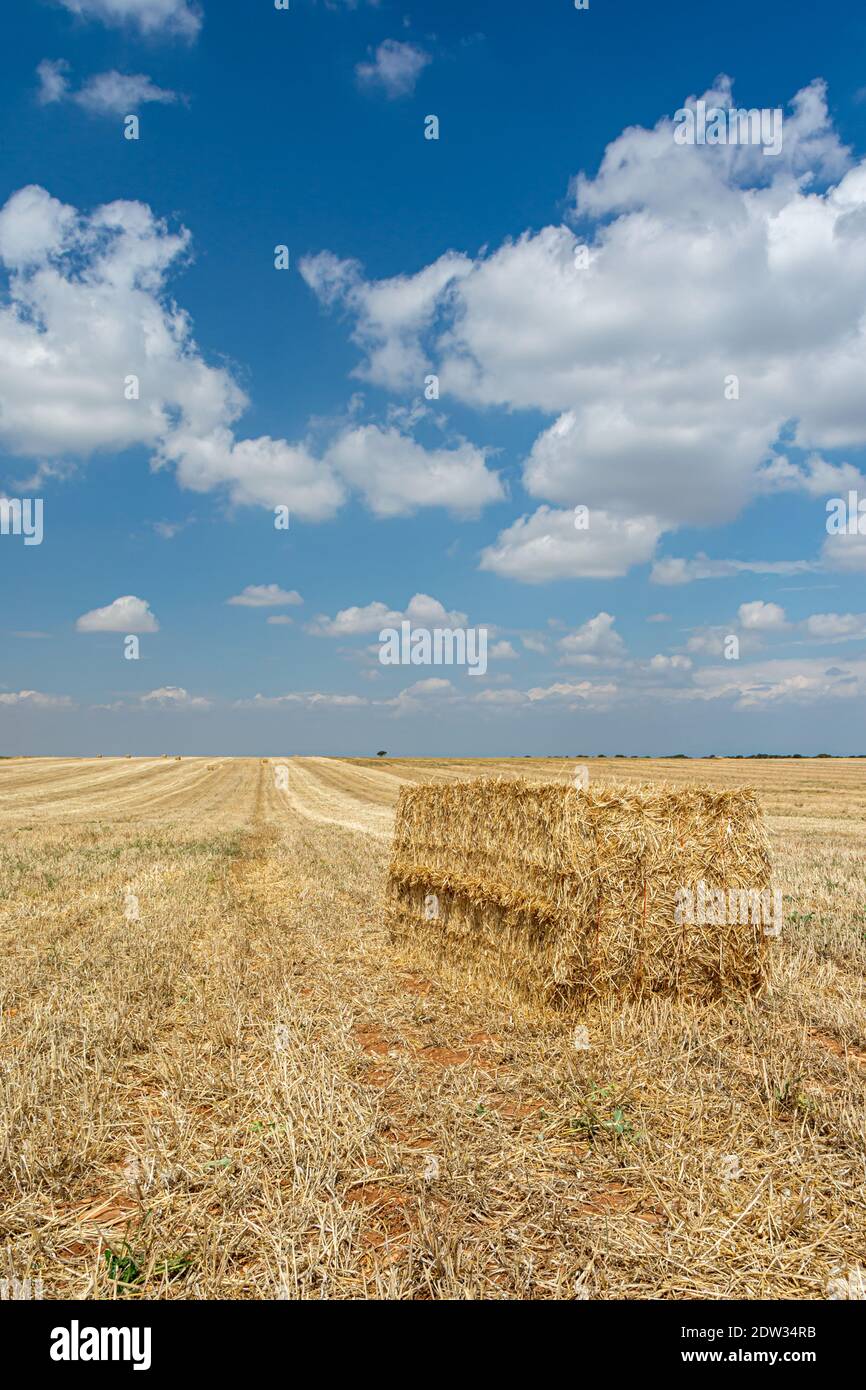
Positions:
(560, 384)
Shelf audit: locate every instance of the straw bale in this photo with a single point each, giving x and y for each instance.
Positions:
(562, 894)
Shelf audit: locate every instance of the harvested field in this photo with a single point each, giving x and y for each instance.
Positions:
(215, 1063)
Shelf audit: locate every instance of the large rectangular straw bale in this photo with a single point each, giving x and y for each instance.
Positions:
(563, 894)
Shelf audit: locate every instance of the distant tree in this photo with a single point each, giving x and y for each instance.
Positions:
(382, 754)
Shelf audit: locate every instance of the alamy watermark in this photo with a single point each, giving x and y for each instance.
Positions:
(845, 1284)
(20, 1290)
(846, 517)
(439, 646)
(77, 1343)
(22, 516)
(718, 907)
(725, 125)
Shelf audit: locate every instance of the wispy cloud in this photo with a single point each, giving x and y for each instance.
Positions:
(394, 69)
(174, 697)
(265, 596)
(36, 699)
(104, 94)
(180, 18)
(675, 571)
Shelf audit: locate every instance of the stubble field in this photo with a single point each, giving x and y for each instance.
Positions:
(218, 1078)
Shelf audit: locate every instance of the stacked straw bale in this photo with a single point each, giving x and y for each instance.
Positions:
(562, 894)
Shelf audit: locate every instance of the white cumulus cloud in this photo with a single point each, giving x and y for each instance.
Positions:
(702, 263)
(762, 617)
(126, 614)
(547, 546)
(88, 308)
(421, 611)
(836, 627)
(396, 475)
(592, 643)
